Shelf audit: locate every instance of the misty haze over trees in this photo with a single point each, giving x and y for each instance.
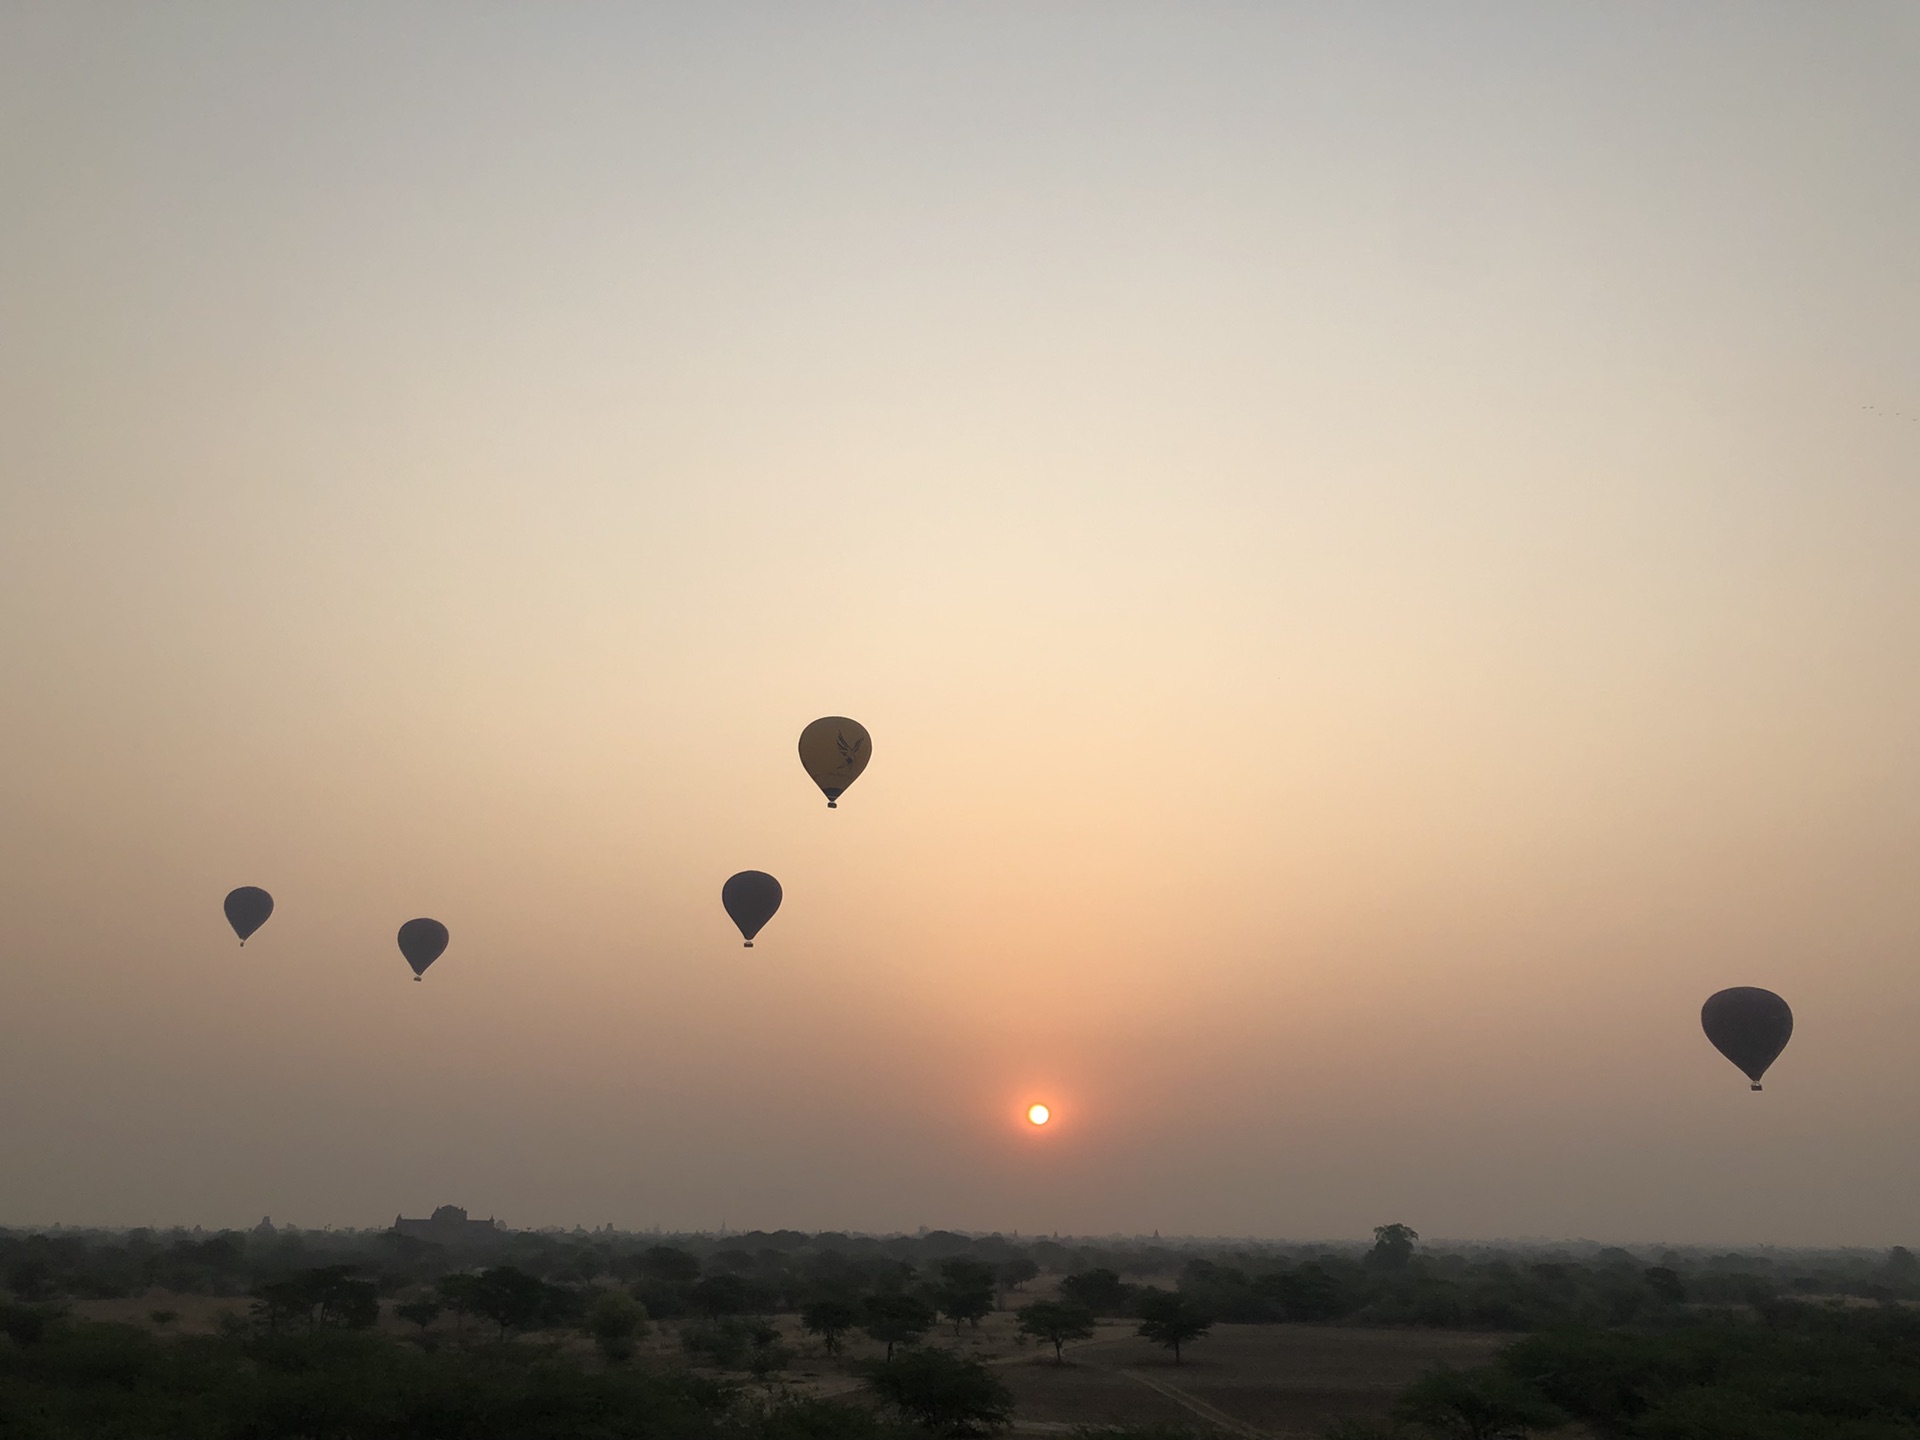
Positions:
(375, 1333)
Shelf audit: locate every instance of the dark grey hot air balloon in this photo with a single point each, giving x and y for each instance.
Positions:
(247, 910)
(751, 897)
(422, 942)
(1749, 1026)
(834, 750)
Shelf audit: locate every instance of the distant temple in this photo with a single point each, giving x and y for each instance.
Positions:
(448, 1225)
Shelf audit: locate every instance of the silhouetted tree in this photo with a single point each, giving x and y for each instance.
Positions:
(965, 1291)
(1016, 1272)
(829, 1317)
(422, 1312)
(1171, 1319)
(460, 1291)
(329, 1295)
(510, 1298)
(616, 1320)
(1485, 1404)
(723, 1295)
(669, 1262)
(943, 1392)
(1056, 1322)
(1100, 1290)
(1392, 1246)
(896, 1319)
(1665, 1284)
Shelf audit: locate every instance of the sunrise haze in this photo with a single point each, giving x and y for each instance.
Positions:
(1378, 545)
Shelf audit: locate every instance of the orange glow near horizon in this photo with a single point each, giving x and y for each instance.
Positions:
(1365, 615)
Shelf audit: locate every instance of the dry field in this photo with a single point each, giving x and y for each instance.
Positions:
(1255, 1380)
(1277, 1381)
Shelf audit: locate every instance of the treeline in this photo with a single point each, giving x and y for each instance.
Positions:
(1394, 1281)
(1784, 1370)
(74, 1380)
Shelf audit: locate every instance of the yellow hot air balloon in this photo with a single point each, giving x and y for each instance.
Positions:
(834, 751)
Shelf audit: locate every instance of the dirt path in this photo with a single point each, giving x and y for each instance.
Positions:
(1209, 1413)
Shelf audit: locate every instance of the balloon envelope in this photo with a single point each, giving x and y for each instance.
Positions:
(834, 750)
(751, 897)
(422, 942)
(247, 910)
(1749, 1026)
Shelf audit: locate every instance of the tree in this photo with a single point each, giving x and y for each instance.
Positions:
(510, 1298)
(422, 1312)
(461, 1292)
(1484, 1404)
(829, 1317)
(723, 1295)
(615, 1320)
(1665, 1284)
(1016, 1272)
(1101, 1291)
(965, 1291)
(1312, 1292)
(1171, 1319)
(329, 1295)
(943, 1392)
(1392, 1246)
(670, 1263)
(1056, 1322)
(894, 1318)
(33, 1279)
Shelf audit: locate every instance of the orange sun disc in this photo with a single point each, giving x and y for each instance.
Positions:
(1039, 1114)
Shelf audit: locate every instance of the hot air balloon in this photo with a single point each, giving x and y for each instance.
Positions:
(834, 750)
(247, 910)
(751, 897)
(422, 942)
(1749, 1026)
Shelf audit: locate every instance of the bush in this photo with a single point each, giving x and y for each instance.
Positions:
(616, 1320)
(1482, 1404)
(943, 1392)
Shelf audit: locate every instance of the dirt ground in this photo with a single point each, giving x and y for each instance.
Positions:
(1274, 1381)
(1254, 1380)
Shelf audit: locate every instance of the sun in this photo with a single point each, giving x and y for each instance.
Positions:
(1039, 1114)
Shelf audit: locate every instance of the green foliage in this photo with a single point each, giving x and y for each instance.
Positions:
(27, 1325)
(1056, 1322)
(1016, 1272)
(1795, 1372)
(514, 1300)
(85, 1381)
(894, 1318)
(327, 1295)
(1099, 1290)
(1171, 1319)
(829, 1317)
(422, 1311)
(616, 1320)
(1392, 1246)
(1481, 1404)
(728, 1342)
(943, 1392)
(965, 1291)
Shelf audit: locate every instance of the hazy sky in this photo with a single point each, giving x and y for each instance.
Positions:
(1379, 547)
